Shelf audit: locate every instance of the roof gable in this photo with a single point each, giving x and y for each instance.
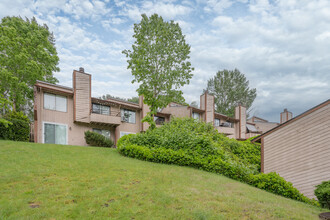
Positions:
(323, 104)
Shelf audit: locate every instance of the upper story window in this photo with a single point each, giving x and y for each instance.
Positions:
(195, 115)
(55, 102)
(159, 120)
(105, 133)
(127, 115)
(227, 124)
(216, 122)
(101, 109)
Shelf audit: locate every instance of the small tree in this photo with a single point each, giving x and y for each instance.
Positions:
(159, 62)
(27, 54)
(229, 88)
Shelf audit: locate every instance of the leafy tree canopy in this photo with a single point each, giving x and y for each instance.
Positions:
(5, 106)
(159, 62)
(194, 104)
(230, 87)
(27, 54)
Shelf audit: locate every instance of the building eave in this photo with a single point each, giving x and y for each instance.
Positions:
(323, 104)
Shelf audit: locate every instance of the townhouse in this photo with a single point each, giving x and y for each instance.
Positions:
(62, 114)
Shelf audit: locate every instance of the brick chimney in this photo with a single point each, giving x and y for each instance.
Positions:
(240, 127)
(285, 116)
(82, 95)
(207, 104)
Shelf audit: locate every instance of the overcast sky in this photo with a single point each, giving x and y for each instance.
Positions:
(282, 47)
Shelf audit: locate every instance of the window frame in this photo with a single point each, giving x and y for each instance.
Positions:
(227, 124)
(196, 113)
(94, 130)
(217, 125)
(54, 123)
(55, 95)
(100, 109)
(123, 119)
(231, 124)
(157, 117)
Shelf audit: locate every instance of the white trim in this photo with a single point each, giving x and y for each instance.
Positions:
(54, 123)
(125, 133)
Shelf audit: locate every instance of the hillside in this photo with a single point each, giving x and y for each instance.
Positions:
(45, 181)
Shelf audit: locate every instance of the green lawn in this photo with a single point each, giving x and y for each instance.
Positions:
(45, 181)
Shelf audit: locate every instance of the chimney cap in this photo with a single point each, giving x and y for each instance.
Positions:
(81, 69)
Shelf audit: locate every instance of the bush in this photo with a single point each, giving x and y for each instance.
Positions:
(274, 183)
(322, 192)
(187, 142)
(18, 129)
(98, 140)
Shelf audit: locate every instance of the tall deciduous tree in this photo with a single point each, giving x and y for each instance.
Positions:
(27, 54)
(159, 62)
(230, 87)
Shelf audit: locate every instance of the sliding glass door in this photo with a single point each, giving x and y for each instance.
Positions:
(55, 133)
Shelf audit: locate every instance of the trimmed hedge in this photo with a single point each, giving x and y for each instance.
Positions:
(97, 140)
(186, 142)
(18, 129)
(322, 192)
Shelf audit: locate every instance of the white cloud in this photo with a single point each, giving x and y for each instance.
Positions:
(166, 10)
(281, 46)
(217, 6)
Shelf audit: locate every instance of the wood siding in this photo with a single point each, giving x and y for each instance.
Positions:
(209, 111)
(300, 151)
(265, 126)
(82, 88)
(240, 127)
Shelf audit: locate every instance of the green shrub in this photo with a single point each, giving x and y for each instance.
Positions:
(322, 192)
(187, 142)
(272, 182)
(18, 129)
(98, 140)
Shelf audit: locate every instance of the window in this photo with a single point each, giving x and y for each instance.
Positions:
(123, 133)
(159, 120)
(127, 116)
(55, 102)
(101, 109)
(105, 133)
(195, 115)
(55, 133)
(227, 124)
(217, 122)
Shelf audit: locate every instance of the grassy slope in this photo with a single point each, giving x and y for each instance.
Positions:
(87, 182)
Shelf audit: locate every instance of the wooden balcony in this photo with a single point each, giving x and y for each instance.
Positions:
(226, 130)
(112, 119)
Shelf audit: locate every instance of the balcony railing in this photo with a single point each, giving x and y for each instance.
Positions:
(112, 118)
(226, 130)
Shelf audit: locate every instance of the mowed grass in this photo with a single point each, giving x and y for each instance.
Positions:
(45, 181)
